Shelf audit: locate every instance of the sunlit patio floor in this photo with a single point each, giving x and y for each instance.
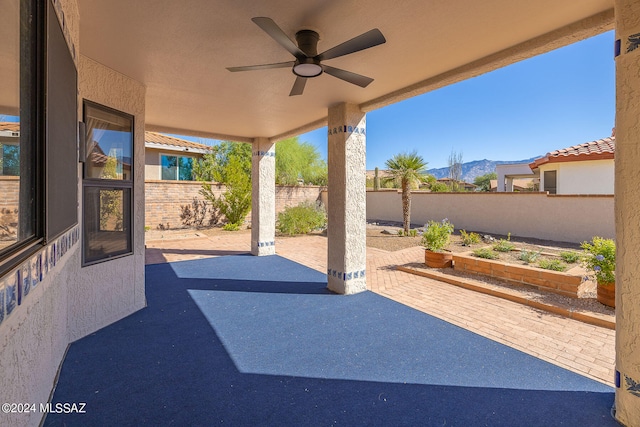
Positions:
(232, 339)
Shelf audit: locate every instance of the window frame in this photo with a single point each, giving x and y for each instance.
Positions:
(178, 157)
(108, 184)
(32, 131)
(547, 188)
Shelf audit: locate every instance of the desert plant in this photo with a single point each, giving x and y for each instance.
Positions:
(437, 235)
(485, 253)
(301, 219)
(528, 257)
(469, 239)
(196, 213)
(570, 257)
(406, 169)
(552, 264)
(600, 256)
(504, 245)
(231, 226)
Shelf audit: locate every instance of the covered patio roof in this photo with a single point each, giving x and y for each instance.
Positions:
(180, 51)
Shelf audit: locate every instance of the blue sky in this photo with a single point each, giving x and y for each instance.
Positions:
(562, 98)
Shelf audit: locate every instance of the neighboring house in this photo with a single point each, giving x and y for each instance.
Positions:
(465, 185)
(580, 169)
(169, 158)
(515, 177)
(516, 184)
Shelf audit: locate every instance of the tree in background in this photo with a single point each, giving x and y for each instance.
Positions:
(483, 182)
(455, 170)
(296, 161)
(406, 169)
(439, 187)
(214, 166)
(228, 163)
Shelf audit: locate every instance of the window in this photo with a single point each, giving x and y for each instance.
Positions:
(107, 184)
(21, 142)
(38, 131)
(550, 179)
(176, 168)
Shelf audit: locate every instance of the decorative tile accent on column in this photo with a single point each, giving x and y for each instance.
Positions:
(346, 228)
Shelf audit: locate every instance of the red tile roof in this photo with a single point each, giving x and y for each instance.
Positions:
(601, 149)
(170, 141)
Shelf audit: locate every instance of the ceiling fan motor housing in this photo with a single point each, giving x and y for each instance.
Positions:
(308, 43)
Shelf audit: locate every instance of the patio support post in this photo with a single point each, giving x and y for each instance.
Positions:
(346, 229)
(263, 197)
(627, 199)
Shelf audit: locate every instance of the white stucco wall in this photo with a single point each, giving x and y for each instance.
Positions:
(71, 302)
(106, 292)
(585, 177)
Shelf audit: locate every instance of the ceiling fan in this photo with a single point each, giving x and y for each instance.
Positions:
(308, 63)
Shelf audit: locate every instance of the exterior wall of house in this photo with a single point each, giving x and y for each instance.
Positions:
(584, 177)
(164, 199)
(69, 301)
(152, 166)
(108, 291)
(537, 215)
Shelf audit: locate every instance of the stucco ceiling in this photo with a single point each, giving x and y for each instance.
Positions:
(180, 51)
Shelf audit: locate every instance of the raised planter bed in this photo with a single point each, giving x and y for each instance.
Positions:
(548, 280)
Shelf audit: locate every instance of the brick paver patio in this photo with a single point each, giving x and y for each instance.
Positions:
(582, 348)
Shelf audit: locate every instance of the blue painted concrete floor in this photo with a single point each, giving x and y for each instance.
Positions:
(244, 341)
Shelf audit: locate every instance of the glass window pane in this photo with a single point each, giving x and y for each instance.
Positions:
(15, 203)
(107, 222)
(185, 168)
(109, 144)
(169, 166)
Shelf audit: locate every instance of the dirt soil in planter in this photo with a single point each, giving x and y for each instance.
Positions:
(587, 293)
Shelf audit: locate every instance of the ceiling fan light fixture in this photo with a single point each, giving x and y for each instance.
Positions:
(307, 68)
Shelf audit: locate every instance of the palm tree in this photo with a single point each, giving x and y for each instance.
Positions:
(406, 169)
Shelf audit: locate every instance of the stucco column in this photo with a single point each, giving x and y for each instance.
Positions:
(500, 186)
(263, 197)
(627, 200)
(509, 185)
(346, 229)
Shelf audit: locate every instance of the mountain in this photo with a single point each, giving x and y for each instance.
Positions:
(475, 168)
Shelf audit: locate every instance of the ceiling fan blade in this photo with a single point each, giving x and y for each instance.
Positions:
(363, 41)
(348, 76)
(262, 67)
(298, 86)
(278, 35)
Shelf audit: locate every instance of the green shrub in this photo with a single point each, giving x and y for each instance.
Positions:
(570, 257)
(301, 219)
(231, 226)
(436, 235)
(469, 239)
(485, 253)
(528, 257)
(504, 245)
(601, 258)
(552, 264)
